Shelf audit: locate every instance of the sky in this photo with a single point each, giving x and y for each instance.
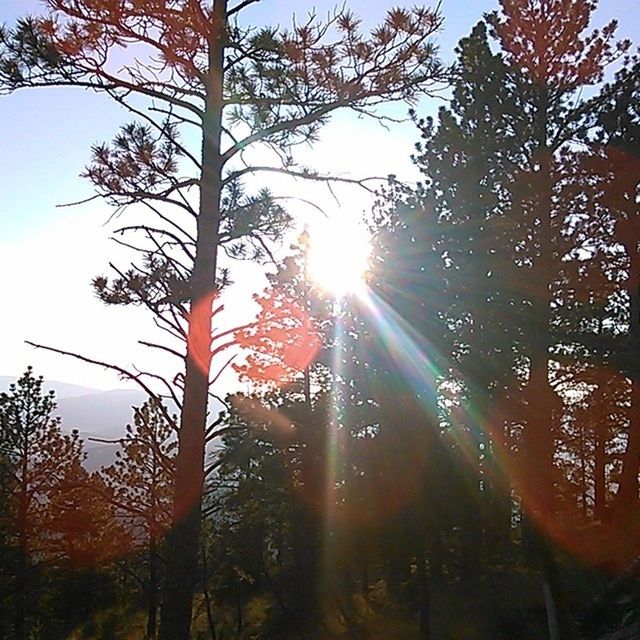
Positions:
(49, 253)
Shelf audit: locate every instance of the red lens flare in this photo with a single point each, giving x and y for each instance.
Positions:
(282, 342)
(199, 338)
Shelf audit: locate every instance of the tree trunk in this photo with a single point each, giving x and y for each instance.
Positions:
(628, 490)
(584, 483)
(423, 593)
(552, 613)
(152, 603)
(239, 619)
(599, 479)
(21, 584)
(436, 556)
(305, 599)
(364, 572)
(23, 550)
(205, 592)
(559, 619)
(627, 497)
(542, 400)
(183, 539)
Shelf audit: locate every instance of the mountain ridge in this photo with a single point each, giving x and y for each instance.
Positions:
(94, 413)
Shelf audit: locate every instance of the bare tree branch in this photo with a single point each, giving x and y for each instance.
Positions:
(124, 374)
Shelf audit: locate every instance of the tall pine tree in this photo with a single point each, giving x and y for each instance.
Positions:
(238, 88)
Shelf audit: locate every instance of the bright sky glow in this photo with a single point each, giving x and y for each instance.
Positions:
(49, 255)
(339, 252)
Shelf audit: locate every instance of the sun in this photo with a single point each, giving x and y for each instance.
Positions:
(338, 258)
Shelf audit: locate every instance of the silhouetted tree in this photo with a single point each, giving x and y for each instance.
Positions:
(81, 537)
(555, 58)
(617, 169)
(237, 87)
(140, 482)
(38, 459)
(491, 227)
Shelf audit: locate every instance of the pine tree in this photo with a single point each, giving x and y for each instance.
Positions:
(617, 169)
(548, 44)
(140, 486)
(83, 538)
(38, 457)
(238, 88)
(501, 182)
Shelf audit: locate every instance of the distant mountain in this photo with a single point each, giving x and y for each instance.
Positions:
(94, 413)
(103, 414)
(62, 389)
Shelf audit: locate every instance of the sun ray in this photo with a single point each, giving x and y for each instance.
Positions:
(412, 353)
(336, 416)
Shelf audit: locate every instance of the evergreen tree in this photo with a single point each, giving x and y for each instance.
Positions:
(501, 192)
(38, 458)
(140, 487)
(238, 88)
(82, 540)
(617, 172)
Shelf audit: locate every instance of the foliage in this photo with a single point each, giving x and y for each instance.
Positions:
(238, 88)
(141, 478)
(39, 456)
(452, 452)
(53, 520)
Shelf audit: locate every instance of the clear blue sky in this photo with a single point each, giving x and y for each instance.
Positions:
(48, 254)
